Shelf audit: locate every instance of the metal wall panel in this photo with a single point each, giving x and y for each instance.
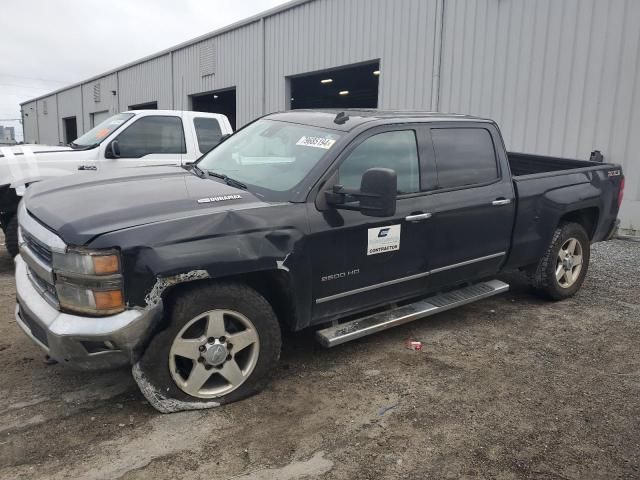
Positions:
(146, 82)
(331, 33)
(70, 105)
(238, 63)
(107, 102)
(29, 125)
(47, 120)
(561, 78)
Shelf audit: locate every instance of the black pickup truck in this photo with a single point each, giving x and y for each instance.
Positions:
(348, 222)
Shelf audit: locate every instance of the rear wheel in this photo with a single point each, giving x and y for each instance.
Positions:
(221, 346)
(563, 267)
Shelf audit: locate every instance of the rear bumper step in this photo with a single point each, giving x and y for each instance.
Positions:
(360, 327)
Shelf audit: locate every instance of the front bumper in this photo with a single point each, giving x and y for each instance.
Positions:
(82, 342)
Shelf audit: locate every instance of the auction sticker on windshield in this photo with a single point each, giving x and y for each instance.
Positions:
(383, 239)
(318, 142)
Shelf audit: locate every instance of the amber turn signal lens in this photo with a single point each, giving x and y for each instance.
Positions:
(110, 300)
(106, 264)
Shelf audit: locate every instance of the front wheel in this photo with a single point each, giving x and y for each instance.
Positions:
(11, 236)
(563, 267)
(221, 346)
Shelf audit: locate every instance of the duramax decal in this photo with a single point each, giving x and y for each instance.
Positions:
(383, 239)
(219, 199)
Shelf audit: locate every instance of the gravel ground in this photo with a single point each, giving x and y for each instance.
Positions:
(510, 387)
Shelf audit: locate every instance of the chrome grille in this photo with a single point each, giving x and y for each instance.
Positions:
(42, 251)
(37, 245)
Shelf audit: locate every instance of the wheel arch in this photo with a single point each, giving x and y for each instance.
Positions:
(275, 286)
(586, 217)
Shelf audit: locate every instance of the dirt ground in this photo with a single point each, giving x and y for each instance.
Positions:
(510, 387)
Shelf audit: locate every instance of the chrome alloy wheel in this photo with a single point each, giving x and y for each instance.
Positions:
(569, 263)
(214, 353)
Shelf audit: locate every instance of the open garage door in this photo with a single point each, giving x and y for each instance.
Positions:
(349, 87)
(144, 106)
(222, 101)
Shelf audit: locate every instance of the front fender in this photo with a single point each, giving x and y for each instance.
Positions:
(234, 243)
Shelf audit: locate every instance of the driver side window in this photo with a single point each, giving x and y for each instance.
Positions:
(154, 134)
(396, 150)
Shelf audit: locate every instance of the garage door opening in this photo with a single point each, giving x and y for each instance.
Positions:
(144, 106)
(70, 128)
(222, 101)
(349, 87)
(98, 117)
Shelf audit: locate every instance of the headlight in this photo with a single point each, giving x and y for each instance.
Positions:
(89, 281)
(87, 262)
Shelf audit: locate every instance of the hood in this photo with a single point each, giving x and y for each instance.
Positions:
(82, 206)
(20, 149)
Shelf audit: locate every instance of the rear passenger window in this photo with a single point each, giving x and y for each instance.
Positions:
(395, 150)
(208, 133)
(464, 156)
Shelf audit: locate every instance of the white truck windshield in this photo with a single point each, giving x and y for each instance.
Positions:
(101, 131)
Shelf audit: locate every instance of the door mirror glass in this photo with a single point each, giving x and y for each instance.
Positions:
(375, 198)
(113, 150)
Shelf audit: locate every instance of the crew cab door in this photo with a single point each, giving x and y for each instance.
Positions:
(472, 206)
(150, 140)
(357, 260)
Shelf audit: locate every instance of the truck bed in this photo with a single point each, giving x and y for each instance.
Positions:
(527, 164)
(549, 188)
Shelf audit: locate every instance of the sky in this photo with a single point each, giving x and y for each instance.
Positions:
(49, 44)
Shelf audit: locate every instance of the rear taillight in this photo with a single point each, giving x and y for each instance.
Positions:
(621, 192)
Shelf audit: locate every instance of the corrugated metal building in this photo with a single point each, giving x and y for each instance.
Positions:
(561, 77)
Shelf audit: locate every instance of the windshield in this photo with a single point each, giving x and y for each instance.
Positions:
(270, 155)
(101, 131)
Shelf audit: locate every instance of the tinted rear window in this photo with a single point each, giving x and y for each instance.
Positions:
(464, 156)
(208, 132)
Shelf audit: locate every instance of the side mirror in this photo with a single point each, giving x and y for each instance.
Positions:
(376, 197)
(378, 192)
(113, 150)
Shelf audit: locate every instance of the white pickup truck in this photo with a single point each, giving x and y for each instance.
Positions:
(128, 139)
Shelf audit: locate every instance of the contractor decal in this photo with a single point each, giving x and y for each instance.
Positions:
(383, 239)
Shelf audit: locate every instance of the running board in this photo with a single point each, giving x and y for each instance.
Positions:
(360, 327)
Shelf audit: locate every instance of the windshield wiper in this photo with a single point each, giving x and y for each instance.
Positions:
(228, 180)
(195, 168)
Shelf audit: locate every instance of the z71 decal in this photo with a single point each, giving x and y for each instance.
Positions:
(614, 173)
(383, 239)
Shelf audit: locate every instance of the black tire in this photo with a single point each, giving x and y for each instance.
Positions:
(543, 277)
(11, 236)
(194, 301)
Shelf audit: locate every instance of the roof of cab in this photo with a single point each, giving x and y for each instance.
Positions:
(173, 113)
(325, 118)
